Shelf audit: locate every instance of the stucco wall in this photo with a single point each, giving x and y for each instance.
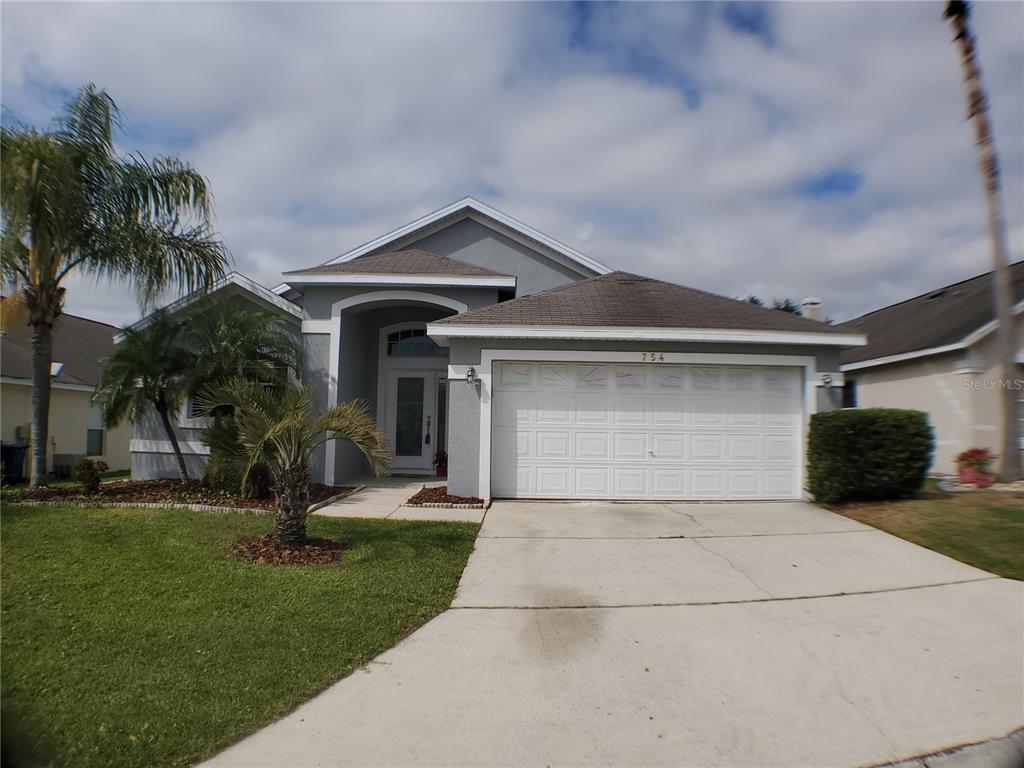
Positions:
(69, 421)
(318, 299)
(464, 399)
(958, 391)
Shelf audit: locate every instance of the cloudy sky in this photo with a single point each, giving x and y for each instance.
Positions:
(787, 149)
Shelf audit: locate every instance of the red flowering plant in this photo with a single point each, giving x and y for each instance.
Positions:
(973, 466)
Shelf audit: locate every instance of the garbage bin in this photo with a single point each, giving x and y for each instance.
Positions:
(13, 457)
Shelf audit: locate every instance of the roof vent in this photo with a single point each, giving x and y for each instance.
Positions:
(939, 293)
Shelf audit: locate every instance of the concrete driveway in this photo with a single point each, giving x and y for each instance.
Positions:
(680, 634)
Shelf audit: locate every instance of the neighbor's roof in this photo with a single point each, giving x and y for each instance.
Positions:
(412, 262)
(80, 344)
(621, 300)
(941, 320)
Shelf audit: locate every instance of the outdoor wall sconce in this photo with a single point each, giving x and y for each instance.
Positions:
(471, 375)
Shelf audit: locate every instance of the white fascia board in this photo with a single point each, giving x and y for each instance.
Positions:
(53, 385)
(975, 336)
(485, 210)
(903, 356)
(451, 281)
(232, 278)
(618, 333)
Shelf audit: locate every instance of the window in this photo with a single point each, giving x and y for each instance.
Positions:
(94, 434)
(413, 342)
(850, 393)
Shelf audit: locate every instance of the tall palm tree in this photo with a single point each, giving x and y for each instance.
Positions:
(148, 369)
(958, 14)
(278, 426)
(71, 204)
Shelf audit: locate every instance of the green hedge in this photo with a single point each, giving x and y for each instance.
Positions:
(865, 454)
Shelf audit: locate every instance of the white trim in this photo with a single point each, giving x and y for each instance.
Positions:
(454, 281)
(471, 205)
(385, 363)
(188, 422)
(231, 278)
(53, 384)
(489, 356)
(188, 447)
(316, 326)
(971, 338)
(623, 333)
(418, 296)
(904, 356)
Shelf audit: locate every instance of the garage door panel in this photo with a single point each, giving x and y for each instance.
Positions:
(661, 431)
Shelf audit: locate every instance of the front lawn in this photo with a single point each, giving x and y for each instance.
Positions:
(130, 639)
(982, 529)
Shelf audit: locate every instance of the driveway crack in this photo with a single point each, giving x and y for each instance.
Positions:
(691, 518)
(736, 568)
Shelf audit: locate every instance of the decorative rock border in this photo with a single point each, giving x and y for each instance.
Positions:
(174, 505)
(482, 505)
(947, 485)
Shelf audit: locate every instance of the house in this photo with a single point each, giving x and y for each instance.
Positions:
(76, 422)
(937, 353)
(543, 373)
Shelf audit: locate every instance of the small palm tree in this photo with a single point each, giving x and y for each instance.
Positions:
(958, 14)
(231, 341)
(71, 204)
(277, 426)
(148, 369)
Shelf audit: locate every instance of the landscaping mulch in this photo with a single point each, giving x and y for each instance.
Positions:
(265, 551)
(159, 492)
(439, 497)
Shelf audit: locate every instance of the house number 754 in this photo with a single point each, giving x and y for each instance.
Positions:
(652, 357)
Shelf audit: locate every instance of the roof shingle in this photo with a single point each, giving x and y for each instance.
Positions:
(621, 299)
(934, 319)
(411, 262)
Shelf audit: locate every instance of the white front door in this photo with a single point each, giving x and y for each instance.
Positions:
(606, 431)
(411, 418)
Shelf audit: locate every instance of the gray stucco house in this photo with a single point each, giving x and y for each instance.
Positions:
(545, 374)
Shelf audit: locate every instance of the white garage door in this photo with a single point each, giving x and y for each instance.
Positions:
(661, 431)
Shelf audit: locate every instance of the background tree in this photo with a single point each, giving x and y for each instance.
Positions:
(783, 305)
(70, 203)
(280, 427)
(148, 369)
(958, 14)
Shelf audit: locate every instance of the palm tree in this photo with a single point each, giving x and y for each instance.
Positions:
(148, 369)
(277, 426)
(230, 340)
(958, 14)
(71, 204)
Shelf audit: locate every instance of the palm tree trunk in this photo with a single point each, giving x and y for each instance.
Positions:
(958, 13)
(291, 487)
(165, 419)
(42, 356)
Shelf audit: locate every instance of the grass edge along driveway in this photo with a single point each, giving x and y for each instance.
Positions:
(983, 529)
(131, 639)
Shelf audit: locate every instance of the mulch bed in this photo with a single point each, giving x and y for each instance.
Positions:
(265, 551)
(160, 491)
(439, 496)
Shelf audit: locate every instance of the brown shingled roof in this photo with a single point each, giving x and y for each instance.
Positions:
(621, 299)
(934, 319)
(412, 262)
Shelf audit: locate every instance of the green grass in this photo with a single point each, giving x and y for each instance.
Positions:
(985, 530)
(130, 639)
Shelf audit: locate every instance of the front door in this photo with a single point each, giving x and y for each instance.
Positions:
(411, 419)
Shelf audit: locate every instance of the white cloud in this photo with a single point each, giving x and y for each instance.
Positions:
(323, 125)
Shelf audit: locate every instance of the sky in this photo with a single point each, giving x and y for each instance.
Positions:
(785, 150)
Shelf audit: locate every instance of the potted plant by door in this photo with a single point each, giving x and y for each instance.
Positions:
(441, 463)
(973, 467)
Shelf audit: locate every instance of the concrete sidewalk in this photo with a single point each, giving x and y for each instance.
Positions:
(383, 499)
(591, 634)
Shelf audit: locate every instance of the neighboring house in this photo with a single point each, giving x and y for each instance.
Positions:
(543, 373)
(937, 353)
(76, 422)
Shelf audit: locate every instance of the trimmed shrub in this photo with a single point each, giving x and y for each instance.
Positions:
(866, 454)
(88, 473)
(227, 460)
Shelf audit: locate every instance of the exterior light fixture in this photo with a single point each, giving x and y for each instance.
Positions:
(471, 375)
